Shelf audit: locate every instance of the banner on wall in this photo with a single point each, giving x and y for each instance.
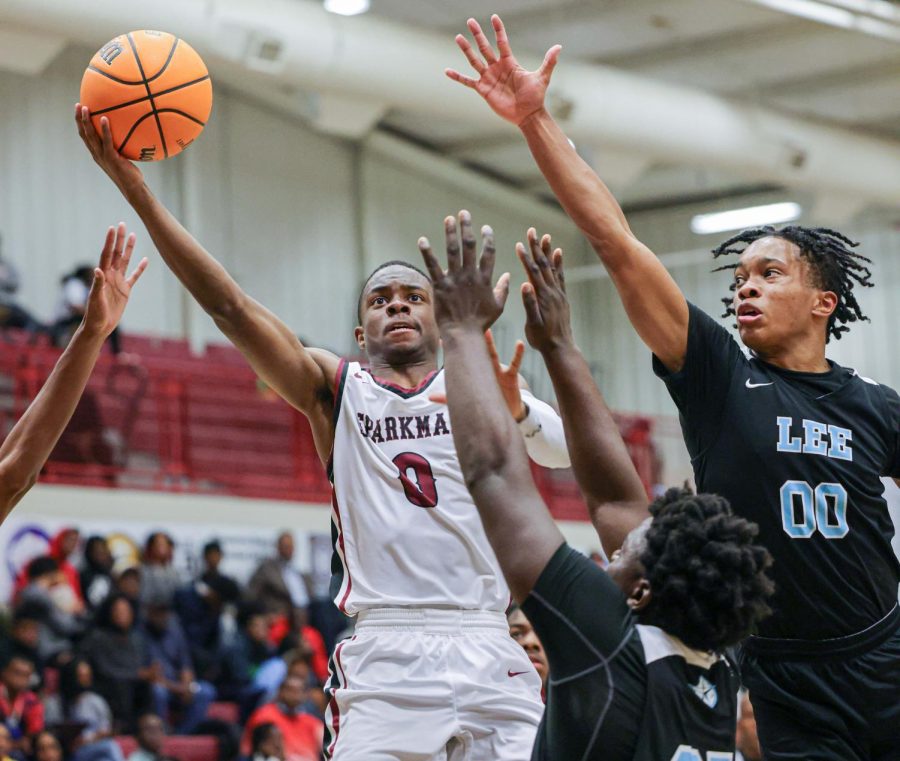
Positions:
(25, 537)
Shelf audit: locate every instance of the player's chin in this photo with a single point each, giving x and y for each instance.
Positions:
(754, 336)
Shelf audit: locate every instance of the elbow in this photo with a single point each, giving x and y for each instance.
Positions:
(229, 311)
(13, 485)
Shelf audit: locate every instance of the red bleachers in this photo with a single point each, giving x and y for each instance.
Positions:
(199, 748)
(176, 421)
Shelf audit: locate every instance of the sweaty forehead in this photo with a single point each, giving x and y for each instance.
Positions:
(397, 275)
(771, 247)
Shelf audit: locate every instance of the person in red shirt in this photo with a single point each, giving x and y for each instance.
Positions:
(303, 733)
(21, 709)
(61, 547)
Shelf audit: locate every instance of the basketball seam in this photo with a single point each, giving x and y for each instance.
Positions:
(147, 116)
(137, 58)
(168, 61)
(147, 97)
(180, 113)
(131, 131)
(114, 79)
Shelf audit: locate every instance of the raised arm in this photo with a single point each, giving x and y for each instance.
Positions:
(603, 468)
(490, 449)
(28, 445)
(655, 304)
(302, 377)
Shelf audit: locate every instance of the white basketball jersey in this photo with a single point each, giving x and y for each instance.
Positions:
(406, 531)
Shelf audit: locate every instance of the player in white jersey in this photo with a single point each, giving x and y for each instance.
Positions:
(431, 672)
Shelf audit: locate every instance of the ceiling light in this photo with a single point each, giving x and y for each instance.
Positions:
(751, 216)
(347, 7)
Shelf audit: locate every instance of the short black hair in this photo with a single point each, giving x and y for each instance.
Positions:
(261, 733)
(391, 263)
(707, 574)
(834, 265)
(213, 546)
(41, 566)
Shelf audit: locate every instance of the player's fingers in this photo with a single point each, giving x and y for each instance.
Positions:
(106, 135)
(502, 38)
(492, 349)
(431, 262)
(466, 47)
(106, 255)
(482, 41)
(461, 78)
(469, 245)
(549, 63)
(547, 251)
(451, 234)
(516, 362)
(129, 250)
(138, 271)
(501, 290)
(532, 310)
(488, 253)
(531, 269)
(118, 246)
(558, 269)
(537, 253)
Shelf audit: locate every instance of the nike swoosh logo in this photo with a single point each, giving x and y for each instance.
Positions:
(512, 673)
(748, 384)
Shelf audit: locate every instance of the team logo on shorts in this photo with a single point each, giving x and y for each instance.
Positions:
(706, 691)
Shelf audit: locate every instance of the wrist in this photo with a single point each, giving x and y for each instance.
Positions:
(557, 347)
(89, 334)
(136, 193)
(534, 118)
(455, 330)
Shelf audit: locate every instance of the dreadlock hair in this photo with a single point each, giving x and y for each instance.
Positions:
(391, 263)
(835, 267)
(706, 573)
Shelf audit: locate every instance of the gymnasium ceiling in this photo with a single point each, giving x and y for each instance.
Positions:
(744, 50)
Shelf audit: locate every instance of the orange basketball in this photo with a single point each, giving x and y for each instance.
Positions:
(154, 89)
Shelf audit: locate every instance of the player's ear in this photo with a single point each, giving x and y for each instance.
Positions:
(360, 336)
(826, 303)
(640, 596)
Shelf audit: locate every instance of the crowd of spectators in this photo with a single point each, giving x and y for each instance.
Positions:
(97, 651)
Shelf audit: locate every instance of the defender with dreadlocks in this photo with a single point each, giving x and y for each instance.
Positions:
(795, 442)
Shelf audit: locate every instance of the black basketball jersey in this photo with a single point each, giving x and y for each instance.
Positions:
(618, 690)
(801, 454)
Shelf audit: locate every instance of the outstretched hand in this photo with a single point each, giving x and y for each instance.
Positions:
(121, 171)
(513, 92)
(548, 323)
(464, 296)
(507, 378)
(111, 288)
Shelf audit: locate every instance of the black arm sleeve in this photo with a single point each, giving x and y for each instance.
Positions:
(700, 388)
(579, 614)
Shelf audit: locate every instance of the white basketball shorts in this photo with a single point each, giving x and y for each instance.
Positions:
(424, 684)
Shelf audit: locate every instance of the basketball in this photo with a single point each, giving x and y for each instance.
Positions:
(154, 89)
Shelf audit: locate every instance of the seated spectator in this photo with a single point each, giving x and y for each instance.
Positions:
(521, 631)
(294, 663)
(47, 747)
(61, 548)
(212, 559)
(22, 638)
(151, 735)
(303, 733)
(746, 740)
(167, 655)
(21, 710)
(266, 743)
(159, 578)
(96, 572)
(81, 705)
(49, 595)
(6, 744)
(114, 650)
(276, 584)
(127, 583)
(243, 661)
(307, 640)
(12, 314)
(199, 607)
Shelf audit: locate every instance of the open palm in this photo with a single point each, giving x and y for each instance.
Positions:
(111, 287)
(513, 92)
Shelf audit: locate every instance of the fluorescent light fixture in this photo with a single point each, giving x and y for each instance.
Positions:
(347, 7)
(751, 216)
